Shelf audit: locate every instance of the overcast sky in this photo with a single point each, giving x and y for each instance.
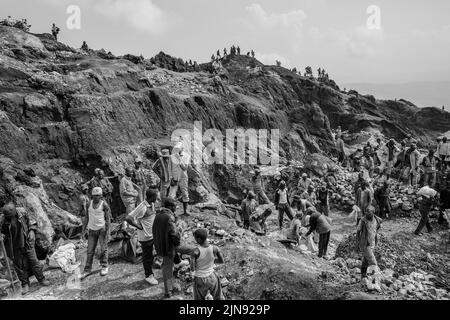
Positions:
(413, 43)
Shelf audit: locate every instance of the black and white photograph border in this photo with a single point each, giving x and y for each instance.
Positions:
(243, 151)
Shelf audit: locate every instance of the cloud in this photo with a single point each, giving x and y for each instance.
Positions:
(364, 42)
(270, 58)
(434, 34)
(143, 15)
(291, 20)
(357, 42)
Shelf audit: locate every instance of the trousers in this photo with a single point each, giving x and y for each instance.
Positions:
(368, 259)
(324, 239)
(424, 221)
(147, 257)
(284, 208)
(95, 237)
(26, 264)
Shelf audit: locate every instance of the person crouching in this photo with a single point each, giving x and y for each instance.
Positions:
(319, 222)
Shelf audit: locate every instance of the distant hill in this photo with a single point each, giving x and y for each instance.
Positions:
(422, 94)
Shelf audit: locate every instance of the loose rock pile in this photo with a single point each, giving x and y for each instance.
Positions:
(402, 270)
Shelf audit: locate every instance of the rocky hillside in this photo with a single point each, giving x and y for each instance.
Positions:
(64, 111)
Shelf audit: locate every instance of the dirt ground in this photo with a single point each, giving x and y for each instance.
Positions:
(257, 267)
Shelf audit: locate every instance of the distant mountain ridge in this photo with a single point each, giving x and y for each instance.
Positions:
(422, 94)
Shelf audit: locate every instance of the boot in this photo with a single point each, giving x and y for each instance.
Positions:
(25, 289)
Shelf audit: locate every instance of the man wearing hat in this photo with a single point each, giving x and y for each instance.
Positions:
(162, 167)
(282, 203)
(97, 223)
(138, 178)
(20, 232)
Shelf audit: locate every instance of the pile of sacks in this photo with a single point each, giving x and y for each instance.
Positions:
(64, 258)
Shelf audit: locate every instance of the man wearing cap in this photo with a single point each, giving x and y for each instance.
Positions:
(414, 163)
(20, 233)
(258, 188)
(427, 200)
(97, 223)
(128, 193)
(304, 183)
(429, 167)
(282, 203)
(180, 163)
(248, 208)
(138, 178)
(163, 168)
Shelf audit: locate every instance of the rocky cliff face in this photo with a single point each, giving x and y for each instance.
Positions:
(85, 109)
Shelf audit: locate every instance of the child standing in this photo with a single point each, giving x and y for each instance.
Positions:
(202, 262)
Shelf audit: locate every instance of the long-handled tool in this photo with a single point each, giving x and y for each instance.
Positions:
(8, 267)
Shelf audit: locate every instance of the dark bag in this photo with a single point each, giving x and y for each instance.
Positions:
(173, 182)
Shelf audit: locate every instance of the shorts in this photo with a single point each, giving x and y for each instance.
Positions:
(183, 186)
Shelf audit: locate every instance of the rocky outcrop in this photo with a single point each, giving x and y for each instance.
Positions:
(82, 108)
